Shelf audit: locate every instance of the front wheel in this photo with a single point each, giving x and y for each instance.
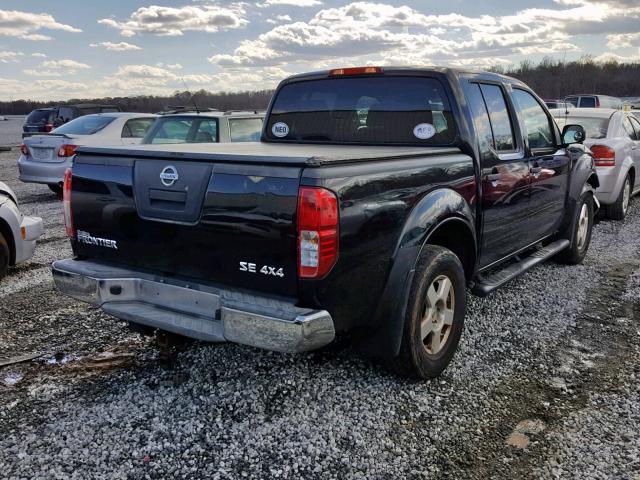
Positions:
(581, 236)
(435, 314)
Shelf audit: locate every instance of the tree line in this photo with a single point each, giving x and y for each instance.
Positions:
(550, 79)
(255, 100)
(556, 79)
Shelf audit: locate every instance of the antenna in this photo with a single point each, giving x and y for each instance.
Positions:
(193, 100)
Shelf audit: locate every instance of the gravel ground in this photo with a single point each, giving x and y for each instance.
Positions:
(544, 385)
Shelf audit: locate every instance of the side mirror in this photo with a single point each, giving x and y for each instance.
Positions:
(573, 134)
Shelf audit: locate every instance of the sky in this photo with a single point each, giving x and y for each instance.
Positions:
(56, 50)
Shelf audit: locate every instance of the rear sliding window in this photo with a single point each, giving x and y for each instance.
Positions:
(87, 125)
(371, 110)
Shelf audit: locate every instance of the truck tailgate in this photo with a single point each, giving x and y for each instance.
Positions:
(215, 222)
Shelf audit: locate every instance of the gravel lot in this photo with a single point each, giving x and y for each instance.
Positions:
(544, 385)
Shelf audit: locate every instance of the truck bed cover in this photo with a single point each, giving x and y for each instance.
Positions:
(266, 153)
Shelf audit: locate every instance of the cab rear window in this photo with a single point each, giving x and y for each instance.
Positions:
(363, 110)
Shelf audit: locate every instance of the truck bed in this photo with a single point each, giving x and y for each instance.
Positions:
(266, 153)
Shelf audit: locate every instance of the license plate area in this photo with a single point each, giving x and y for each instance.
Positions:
(41, 154)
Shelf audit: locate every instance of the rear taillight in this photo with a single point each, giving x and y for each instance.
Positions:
(24, 149)
(317, 232)
(604, 156)
(48, 127)
(67, 150)
(66, 204)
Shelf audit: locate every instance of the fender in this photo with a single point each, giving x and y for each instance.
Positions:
(582, 178)
(433, 210)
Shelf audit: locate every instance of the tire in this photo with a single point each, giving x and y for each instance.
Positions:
(4, 257)
(618, 209)
(55, 188)
(421, 355)
(580, 237)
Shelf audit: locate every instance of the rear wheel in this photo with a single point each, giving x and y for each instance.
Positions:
(4, 256)
(618, 209)
(55, 188)
(435, 314)
(581, 236)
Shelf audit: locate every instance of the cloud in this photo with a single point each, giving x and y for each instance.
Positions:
(292, 3)
(39, 55)
(170, 21)
(612, 57)
(42, 73)
(116, 47)
(370, 31)
(23, 25)
(623, 40)
(10, 57)
(70, 65)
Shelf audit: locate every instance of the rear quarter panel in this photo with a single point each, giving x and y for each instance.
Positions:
(376, 201)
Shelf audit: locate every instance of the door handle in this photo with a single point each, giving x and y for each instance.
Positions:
(494, 176)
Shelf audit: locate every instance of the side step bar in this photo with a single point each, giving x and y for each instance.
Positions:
(489, 283)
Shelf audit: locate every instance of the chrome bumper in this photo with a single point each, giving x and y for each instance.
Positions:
(195, 310)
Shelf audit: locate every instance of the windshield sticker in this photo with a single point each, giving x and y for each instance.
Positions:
(280, 129)
(424, 131)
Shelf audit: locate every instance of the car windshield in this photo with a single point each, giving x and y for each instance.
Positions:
(363, 110)
(87, 125)
(38, 116)
(183, 129)
(595, 127)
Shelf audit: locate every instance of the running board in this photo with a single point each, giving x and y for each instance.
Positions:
(489, 283)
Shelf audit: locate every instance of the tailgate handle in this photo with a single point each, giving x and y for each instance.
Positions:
(167, 195)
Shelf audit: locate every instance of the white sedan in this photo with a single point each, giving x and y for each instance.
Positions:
(18, 233)
(614, 138)
(44, 158)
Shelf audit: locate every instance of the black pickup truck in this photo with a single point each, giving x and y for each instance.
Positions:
(374, 199)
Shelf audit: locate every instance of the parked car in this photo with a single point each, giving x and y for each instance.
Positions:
(18, 232)
(614, 138)
(44, 120)
(39, 120)
(556, 104)
(375, 197)
(44, 158)
(594, 101)
(209, 126)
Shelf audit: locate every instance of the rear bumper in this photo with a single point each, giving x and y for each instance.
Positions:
(31, 171)
(194, 310)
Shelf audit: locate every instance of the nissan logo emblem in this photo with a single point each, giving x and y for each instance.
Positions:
(169, 175)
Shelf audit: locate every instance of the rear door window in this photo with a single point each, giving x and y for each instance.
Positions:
(245, 129)
(572, 100)
(536, 122)
(66, 113)
(137, 127)
(500, 119)
(480, 117)
(587, 102)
